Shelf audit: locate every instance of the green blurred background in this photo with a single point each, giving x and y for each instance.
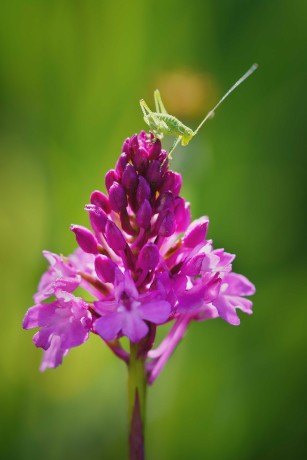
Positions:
(72, 73)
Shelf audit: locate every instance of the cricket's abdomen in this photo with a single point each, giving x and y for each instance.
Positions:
(175, 127)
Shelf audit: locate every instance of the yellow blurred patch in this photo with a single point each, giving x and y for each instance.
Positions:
(187, 93)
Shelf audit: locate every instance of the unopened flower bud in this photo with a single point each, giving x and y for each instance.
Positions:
(110, 178)
(85, 239)
(101, 200)
(129, 178)
(140, 159)
(149, 257)
(125, 147)
(165, 201)
(154, 173)
(98, 218)
(143, 215)
(114, 237)
(117, 197)
(168, 224)
(121, 163)
(133, 146)
(172, 182)
(143, 191)
(196, 233)
(105, 269)
(163, 159)
(182, 214)
(154, 150)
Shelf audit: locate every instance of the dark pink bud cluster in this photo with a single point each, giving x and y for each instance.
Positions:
(142, 205)
(142, 191)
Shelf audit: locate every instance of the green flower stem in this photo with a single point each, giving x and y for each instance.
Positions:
(137, 384)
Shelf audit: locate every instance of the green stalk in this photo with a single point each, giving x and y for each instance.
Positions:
(136, 402)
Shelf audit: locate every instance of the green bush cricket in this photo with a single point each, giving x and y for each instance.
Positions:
(163, 124)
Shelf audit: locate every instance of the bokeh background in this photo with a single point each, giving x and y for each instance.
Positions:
(72, 73)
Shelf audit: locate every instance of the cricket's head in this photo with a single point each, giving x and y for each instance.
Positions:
(187, 136)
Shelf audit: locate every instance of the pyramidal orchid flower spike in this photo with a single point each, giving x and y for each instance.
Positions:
(144, 264)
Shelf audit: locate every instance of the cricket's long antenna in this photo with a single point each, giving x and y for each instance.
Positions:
(211, 113)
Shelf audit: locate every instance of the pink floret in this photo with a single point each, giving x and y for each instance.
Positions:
(128, 313)
(64, 324)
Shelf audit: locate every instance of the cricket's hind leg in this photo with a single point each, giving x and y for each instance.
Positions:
(173, 147)
(158, 102)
